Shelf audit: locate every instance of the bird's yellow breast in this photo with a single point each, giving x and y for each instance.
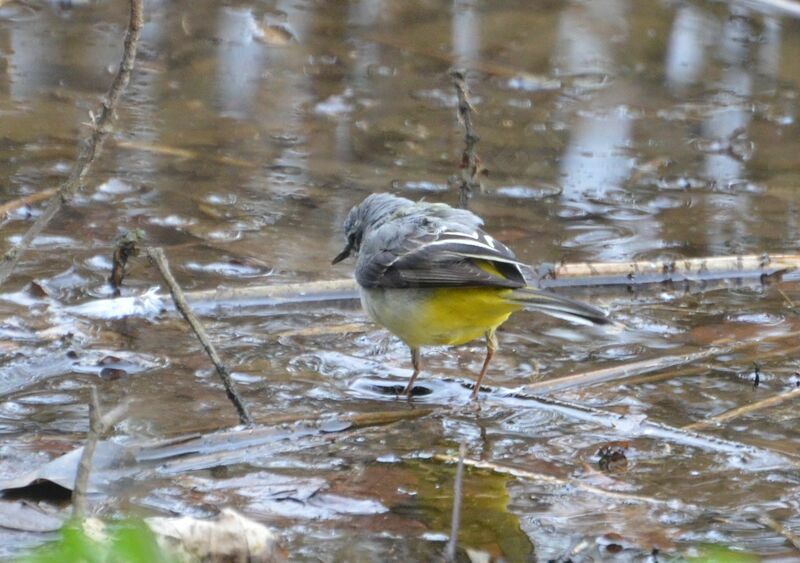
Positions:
(439, 316)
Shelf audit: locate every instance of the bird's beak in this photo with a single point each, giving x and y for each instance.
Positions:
(344, 253)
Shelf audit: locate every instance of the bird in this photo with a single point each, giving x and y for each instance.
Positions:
(432, 276)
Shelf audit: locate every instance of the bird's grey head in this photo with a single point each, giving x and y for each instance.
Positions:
(369, 214)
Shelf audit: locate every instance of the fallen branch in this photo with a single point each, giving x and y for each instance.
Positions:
(99, 426)
(470, 162)
(744, 410)
(101, 127)
(664, 271)
(15, 204)
(567, 275)
(159, 260)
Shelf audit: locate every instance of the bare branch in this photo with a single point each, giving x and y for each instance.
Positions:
(470, 162)
(159, 260)
(91, 147)
(660, 271)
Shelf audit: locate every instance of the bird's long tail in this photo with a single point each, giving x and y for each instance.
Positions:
(557, 306)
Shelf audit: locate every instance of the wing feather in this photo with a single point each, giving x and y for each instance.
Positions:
(444, 259)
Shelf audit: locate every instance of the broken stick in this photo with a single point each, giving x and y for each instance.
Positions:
(159, 260)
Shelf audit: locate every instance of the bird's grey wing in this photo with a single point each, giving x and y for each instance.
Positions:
(442, 259)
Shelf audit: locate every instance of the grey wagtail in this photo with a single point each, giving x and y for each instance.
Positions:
(432, 276)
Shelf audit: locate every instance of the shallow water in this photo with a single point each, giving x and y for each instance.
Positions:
(612, 130)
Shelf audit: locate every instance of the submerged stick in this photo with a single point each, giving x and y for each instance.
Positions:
(291, 293)
(708, 268)
(99, 425)
(178, 152)
(470, 162)
(623, 371)
(744, 410)
(159, 260)
(724, 345)
(101, 127)
(455, 519)
(634, 369)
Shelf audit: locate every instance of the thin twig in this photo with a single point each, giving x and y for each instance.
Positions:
(99, 425)
(14, 204)
(455, 519)
(470, 162)
(101, 127)
(159, 260)
(744, 410)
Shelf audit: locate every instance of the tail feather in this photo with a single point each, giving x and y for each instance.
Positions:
(558, 306)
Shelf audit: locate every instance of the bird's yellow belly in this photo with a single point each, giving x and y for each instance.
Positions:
(440, 316)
